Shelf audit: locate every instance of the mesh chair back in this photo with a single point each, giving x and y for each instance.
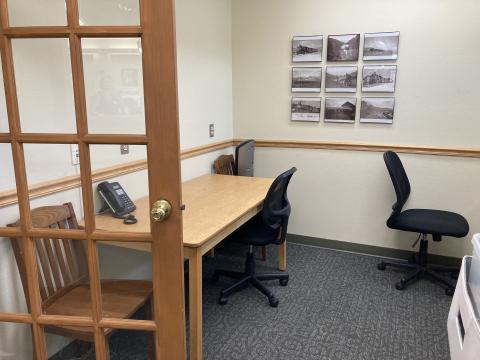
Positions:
(399, 179)
(244, 158)
(276, 207)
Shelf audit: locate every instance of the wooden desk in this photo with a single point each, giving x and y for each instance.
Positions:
(216, 205)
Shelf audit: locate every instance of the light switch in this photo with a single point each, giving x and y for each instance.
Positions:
(75, 154)
(212, 130)
(124, 149)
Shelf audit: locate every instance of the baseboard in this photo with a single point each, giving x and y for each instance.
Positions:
(368, 249)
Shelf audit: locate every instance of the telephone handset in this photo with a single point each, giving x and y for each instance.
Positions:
(117, 201)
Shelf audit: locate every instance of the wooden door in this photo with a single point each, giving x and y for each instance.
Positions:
(154, 32)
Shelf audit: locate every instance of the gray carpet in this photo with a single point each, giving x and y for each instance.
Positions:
(336, 306)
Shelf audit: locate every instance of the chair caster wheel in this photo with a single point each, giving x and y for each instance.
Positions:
(381, 266)
(273, 301)
(222, 301)
(401, 285)
(449, 291)
(215, 277)
(283, 282)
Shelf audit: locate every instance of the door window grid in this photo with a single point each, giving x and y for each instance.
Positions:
(16, 138)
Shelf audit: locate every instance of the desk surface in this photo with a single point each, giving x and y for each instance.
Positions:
(213, 202)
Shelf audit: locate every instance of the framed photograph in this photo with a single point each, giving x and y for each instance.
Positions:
(306, 79)
(307, 48)
(343, 47)
(379, 78)
(378, 110)
(306, 109)
(381, 46)
(340, 109)
(341, 79)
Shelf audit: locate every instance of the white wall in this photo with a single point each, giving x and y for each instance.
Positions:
(204, 52)
(204, 45)
(343, 195)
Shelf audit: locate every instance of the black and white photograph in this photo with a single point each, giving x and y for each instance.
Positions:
(381, 46)
(306, 109)
(377, 110)
(343, 47)
(379, 78)
(341, 79)
(340, 109)
(307, 48)
(306, 79)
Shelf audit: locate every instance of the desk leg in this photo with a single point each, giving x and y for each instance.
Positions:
(282, 256)
(195, 310)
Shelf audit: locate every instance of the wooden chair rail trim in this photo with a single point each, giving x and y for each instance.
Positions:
(9, 197)
(352, 146)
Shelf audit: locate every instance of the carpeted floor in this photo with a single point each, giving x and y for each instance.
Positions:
(337, 306)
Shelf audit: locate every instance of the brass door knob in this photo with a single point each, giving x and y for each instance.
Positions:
(161, 210)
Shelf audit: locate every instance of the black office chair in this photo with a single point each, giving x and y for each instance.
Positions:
(268, 227)
(423, 221)
(244, 158)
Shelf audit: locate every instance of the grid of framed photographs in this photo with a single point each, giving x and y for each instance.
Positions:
(344, 81)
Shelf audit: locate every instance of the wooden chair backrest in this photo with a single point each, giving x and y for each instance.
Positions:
(62, 263)
(224, 165)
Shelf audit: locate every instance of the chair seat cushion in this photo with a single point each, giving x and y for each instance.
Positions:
(255, 232)
(435, 222)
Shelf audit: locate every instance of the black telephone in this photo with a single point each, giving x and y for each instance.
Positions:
(116, 199)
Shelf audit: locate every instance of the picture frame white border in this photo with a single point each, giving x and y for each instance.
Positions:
(307, 90)
(340, 90)
(381, 58)
(366, 90)
(377, 121)
(344, 61)
(296, 37)
(307, 98)
(355, 99)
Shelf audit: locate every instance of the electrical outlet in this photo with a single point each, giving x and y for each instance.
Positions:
(212, 130)
(75, 154)
(124, 149)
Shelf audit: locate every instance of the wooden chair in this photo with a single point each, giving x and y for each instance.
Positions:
(225, 165)
(64, 282)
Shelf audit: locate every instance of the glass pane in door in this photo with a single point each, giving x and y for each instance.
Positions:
(126, 279)
(37, 12)
(16, 340)
(53, 175)
(13, 277)
(9, 213)
(109, 12)
(59, 349)
(3, 105)
(43, 76)
(62, 265)
(114, 85)
(120, 187)
(130, 345)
